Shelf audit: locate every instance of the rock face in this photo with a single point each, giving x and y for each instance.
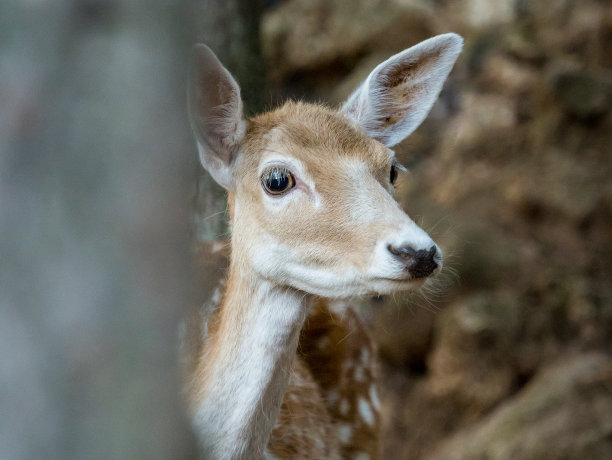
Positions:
(583, 94)
(307, 35)
(566, 412)
(511, 356)
(472, 363)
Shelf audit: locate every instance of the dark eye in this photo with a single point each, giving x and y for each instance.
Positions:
(393, 174)
(277, 181)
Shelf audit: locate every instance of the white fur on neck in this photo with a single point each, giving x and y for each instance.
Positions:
(238, 412)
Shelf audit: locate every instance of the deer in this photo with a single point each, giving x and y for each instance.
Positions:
(285, 367)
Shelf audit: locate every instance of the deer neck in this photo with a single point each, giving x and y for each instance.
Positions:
(249, 356)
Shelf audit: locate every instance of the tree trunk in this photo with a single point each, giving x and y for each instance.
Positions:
(95, 161)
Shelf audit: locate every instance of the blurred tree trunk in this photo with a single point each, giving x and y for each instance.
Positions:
(95, 161)
(231, 29)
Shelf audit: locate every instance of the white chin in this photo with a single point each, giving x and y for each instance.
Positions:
(362, 287)
(388, 286)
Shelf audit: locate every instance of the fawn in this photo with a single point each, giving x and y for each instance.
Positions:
(285, 368)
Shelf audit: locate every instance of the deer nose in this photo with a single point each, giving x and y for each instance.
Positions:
(421, 263)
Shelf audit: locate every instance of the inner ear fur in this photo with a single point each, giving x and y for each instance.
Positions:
(215, 113)
(399, 93)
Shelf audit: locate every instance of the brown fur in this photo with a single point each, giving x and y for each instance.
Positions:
(323, 392)
(341, 357)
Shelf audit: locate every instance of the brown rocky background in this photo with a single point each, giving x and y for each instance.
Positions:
(509, 354)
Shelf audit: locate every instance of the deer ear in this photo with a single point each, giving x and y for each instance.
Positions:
(215, 112)
(399, 93)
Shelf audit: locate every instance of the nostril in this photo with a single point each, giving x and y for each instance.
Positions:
(403, 252)
(426, 255)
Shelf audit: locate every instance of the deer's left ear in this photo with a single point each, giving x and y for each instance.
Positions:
(399, 93)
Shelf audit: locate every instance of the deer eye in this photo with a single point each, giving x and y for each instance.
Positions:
(277, 181)
(393, 174)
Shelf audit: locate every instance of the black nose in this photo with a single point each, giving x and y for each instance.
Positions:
(419, 264)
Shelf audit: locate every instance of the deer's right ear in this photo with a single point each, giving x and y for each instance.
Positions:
(215, 113)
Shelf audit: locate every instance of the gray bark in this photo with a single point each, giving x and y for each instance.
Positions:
(95, 161)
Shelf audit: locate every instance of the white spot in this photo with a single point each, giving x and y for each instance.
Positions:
(323, 343)
(366, 412)
(361, 456)
(345, 406)
(205, 329)
(359, 375)
(319, 443)
(338, 306)
(345, 433)
(269, 456)
(217, 246)
(216, 297)
(365, 356)
(374, 398)
(332, 397)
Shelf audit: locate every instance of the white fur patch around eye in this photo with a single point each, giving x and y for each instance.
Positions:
(370, 202)
(303, 180)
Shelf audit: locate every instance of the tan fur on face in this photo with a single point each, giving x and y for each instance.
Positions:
(352, 174)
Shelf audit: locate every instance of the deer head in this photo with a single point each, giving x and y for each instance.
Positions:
(311, 188)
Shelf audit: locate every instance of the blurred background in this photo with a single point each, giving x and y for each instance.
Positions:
(507, 356)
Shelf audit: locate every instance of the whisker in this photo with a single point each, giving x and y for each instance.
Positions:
(213, 215)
